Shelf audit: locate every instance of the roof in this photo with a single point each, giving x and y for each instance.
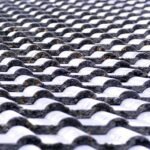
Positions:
(74, 75)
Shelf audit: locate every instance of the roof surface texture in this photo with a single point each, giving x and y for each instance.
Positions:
(74, 75)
